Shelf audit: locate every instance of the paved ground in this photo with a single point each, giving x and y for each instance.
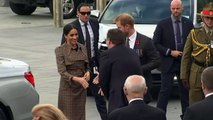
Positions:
(33, 39)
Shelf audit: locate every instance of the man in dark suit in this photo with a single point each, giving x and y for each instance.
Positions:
(143, 46)
(135, 89)
(169, 37)
(202, 110)
(85, 25)
(116, 64)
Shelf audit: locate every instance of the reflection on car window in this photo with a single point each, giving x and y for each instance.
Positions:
(202, 3)
(143, 11)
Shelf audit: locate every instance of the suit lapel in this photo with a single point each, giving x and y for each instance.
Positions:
(184, 29)
(92, 26)
(171, 28)
(137, 42)
(80, 33)
(138, 46)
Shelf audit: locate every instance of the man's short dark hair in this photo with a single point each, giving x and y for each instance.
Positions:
(207, 77)
(82, 5)
(116, 36)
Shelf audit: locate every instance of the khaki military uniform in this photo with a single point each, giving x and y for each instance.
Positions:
(197, 55)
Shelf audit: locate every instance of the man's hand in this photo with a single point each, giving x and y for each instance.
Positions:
(96, 80)
(100, 91)
(176, 53)
(185, 83)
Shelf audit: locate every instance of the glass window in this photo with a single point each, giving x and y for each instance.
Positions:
(143, 11)
(201, 3)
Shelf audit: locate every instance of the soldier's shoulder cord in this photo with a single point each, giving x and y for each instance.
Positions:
(200, 45)
(203, 47)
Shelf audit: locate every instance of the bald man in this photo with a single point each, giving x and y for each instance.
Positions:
(169, 38)
(135, 88)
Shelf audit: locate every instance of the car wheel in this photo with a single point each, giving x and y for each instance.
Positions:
(69, 8)
(2, 115)
(22, 9)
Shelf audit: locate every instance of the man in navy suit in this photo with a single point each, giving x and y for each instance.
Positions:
(83, 14)
(135, 89)
(143, 46)
(116, 64)
(202, 110)
(169, 37)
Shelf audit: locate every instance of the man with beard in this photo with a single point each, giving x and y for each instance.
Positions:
(169, 38)
(143, 46)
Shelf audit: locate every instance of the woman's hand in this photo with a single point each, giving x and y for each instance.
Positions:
(82, 81)
(87, 76)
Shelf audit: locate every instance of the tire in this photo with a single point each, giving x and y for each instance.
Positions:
(69, 8)
(2, 115)
(22, 9)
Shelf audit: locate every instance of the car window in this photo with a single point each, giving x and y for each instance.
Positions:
(143, 11)
(201, 3)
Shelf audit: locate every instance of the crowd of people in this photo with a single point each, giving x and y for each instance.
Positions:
(121, 75)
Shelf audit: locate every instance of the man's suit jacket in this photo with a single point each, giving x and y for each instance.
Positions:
(149, 56)
(116, 64)
(164, 38)
(201, 110)
(137, 110)
(95, 28)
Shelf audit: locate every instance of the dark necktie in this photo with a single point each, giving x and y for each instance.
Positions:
(178, 35)
(88, 43)
(127, 43)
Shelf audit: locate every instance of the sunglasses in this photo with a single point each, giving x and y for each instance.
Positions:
(84, 13)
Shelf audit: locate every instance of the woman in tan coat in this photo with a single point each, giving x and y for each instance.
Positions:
(72, 63)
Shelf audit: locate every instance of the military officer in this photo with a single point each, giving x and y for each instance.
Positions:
(198, 54)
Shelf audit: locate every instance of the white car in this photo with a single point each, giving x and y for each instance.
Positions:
(17, 90)
(146, 13)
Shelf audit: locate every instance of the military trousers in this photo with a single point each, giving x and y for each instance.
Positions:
(195, 90)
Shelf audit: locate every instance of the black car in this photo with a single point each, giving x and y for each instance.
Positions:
(27, 7)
